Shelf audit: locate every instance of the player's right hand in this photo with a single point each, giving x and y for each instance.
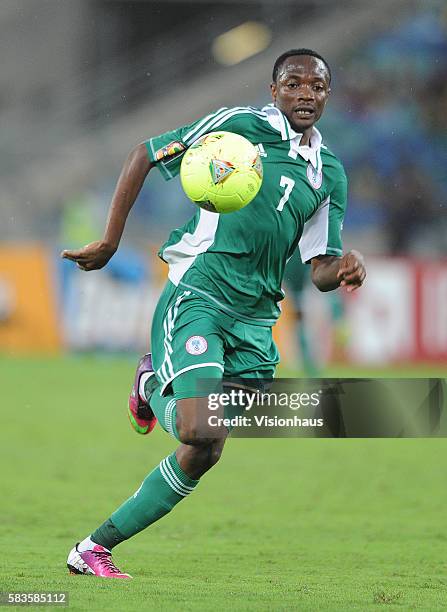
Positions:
(93, 256)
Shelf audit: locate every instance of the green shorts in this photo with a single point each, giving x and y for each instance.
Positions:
(189, 335)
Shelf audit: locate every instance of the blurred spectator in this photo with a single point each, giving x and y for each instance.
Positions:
(409, 208)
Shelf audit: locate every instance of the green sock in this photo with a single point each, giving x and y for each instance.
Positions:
(107, 535)
(165, 410)
(165, 486)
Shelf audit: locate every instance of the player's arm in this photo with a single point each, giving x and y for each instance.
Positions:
(165, 152)
(96, 254)
(330, 272)
(321, 244)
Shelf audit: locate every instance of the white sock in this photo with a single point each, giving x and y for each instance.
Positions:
(86, 544)
(143, 379)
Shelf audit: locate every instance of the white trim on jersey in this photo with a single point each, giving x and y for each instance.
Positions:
(203, 121)
(314, 239)
(162, 162)
(181, 255)
(166, 369)
(220, 118)
(279, 122)
(165, 167)
(276, 120)
(211, 364)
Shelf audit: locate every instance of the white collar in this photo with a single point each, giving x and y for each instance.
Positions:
(310, 152)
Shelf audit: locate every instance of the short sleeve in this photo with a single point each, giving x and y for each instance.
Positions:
(167, 150)
(322, 232)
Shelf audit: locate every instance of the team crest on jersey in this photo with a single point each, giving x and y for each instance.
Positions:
(220, 170)
(170, 150)
(196, 345)
(315, 176)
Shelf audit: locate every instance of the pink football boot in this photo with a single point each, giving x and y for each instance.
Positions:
(96, 562)
(139, 412)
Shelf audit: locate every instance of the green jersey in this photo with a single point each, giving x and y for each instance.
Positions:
(236, 261)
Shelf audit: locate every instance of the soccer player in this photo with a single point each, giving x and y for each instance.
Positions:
(215, 316)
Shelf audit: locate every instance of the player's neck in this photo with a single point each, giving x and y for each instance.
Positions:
(305, 138)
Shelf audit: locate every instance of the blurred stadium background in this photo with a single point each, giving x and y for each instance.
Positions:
(84, 81)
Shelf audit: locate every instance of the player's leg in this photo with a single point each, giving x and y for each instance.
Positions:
(171, 481)
(180, 411)
(178, 474)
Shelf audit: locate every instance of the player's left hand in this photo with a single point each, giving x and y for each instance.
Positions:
(352, 271)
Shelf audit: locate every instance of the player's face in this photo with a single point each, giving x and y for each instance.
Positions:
(301, 90)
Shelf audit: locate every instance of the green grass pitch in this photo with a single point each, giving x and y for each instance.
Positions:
(278, 525)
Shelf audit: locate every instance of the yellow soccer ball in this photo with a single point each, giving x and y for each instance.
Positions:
(221, 172)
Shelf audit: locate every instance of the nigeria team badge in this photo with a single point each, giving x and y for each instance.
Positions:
(196, 345)
(315, 176)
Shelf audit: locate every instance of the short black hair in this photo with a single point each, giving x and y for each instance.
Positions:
(292, 52)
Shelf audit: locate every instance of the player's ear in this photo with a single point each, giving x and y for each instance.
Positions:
(273, 91)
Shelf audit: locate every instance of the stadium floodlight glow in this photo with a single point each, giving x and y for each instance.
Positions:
(241, 42)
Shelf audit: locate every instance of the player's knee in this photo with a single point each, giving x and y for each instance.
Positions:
(209, 455)
(192, 423)
(197, 460)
